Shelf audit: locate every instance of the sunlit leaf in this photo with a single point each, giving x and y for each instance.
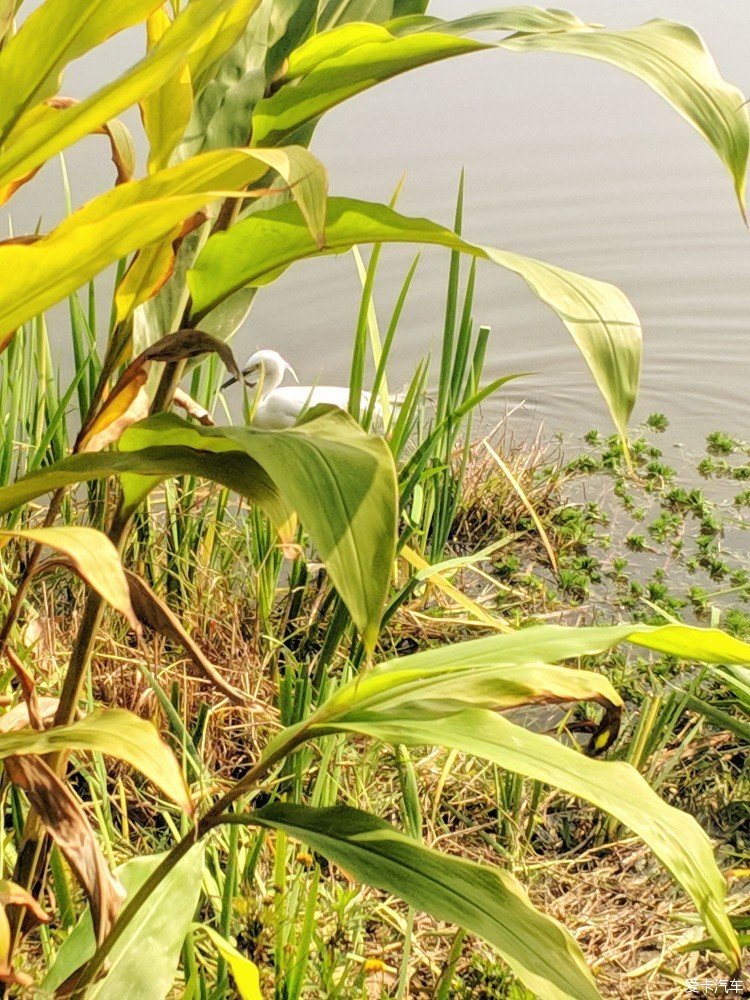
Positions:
(52, 36)
(196, 31)
(487, 901)
(672, 59)
(136, 214)
(120, 144)
(166, 111)
(94, 556)
(598, 316)
(423, 700)
(334, 65)
(115, 732)
(144, 961)
(244, 972)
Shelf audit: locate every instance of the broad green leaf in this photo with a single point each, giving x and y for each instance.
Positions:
(224, 108)
(57, 32)
(244, 972)
(522, 19)
(614, 786)
(337, 64)
(144, 961)
(336, 12)
(258, 249)
(219, 37)
(94, 556)
(137, 214)
(194, 34)
(487, 901)
(671, 58)
(112, 731)
(341, 481)
(166, 111)
(401, 701)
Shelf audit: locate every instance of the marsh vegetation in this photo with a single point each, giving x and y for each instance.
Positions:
(315, 711)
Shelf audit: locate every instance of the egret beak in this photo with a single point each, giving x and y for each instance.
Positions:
(245, 379)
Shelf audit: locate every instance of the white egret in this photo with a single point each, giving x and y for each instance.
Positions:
(279, 406)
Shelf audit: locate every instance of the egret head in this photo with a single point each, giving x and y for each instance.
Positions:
(267, 367)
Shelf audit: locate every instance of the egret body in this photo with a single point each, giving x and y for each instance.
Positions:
(279, 406)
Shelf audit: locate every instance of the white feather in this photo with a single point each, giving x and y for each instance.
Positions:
(280, 406)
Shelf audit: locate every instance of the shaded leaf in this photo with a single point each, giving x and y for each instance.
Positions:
(193, 408)
(598, 316)
(341, 481)
(487, 901)
(65, 821)
(112, 731)
(94, 557)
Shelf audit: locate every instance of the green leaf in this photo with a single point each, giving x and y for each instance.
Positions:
(614, 786)
(245, 973)
(144, 961)
(111, 731)
(203, 30)
(401, 702)
(669, 57)
(672, 59)
(258, 249)
(134, 215)
(94, 557)
(59, 31)
(335, 65)
(488, 902)
(224, 109)
(341, 481)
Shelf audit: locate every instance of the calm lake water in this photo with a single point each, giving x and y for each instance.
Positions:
(568, 160)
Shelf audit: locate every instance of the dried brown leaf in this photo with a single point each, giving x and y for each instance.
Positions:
(65, 821)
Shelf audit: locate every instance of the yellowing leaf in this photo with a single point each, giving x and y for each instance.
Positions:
(166, 111)
(52, 36)
(139, 213)
(151, 267)
(94, 556)
(111, 731)
(120, 142)
(120, 411)
(192, 34)
(244, 972)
